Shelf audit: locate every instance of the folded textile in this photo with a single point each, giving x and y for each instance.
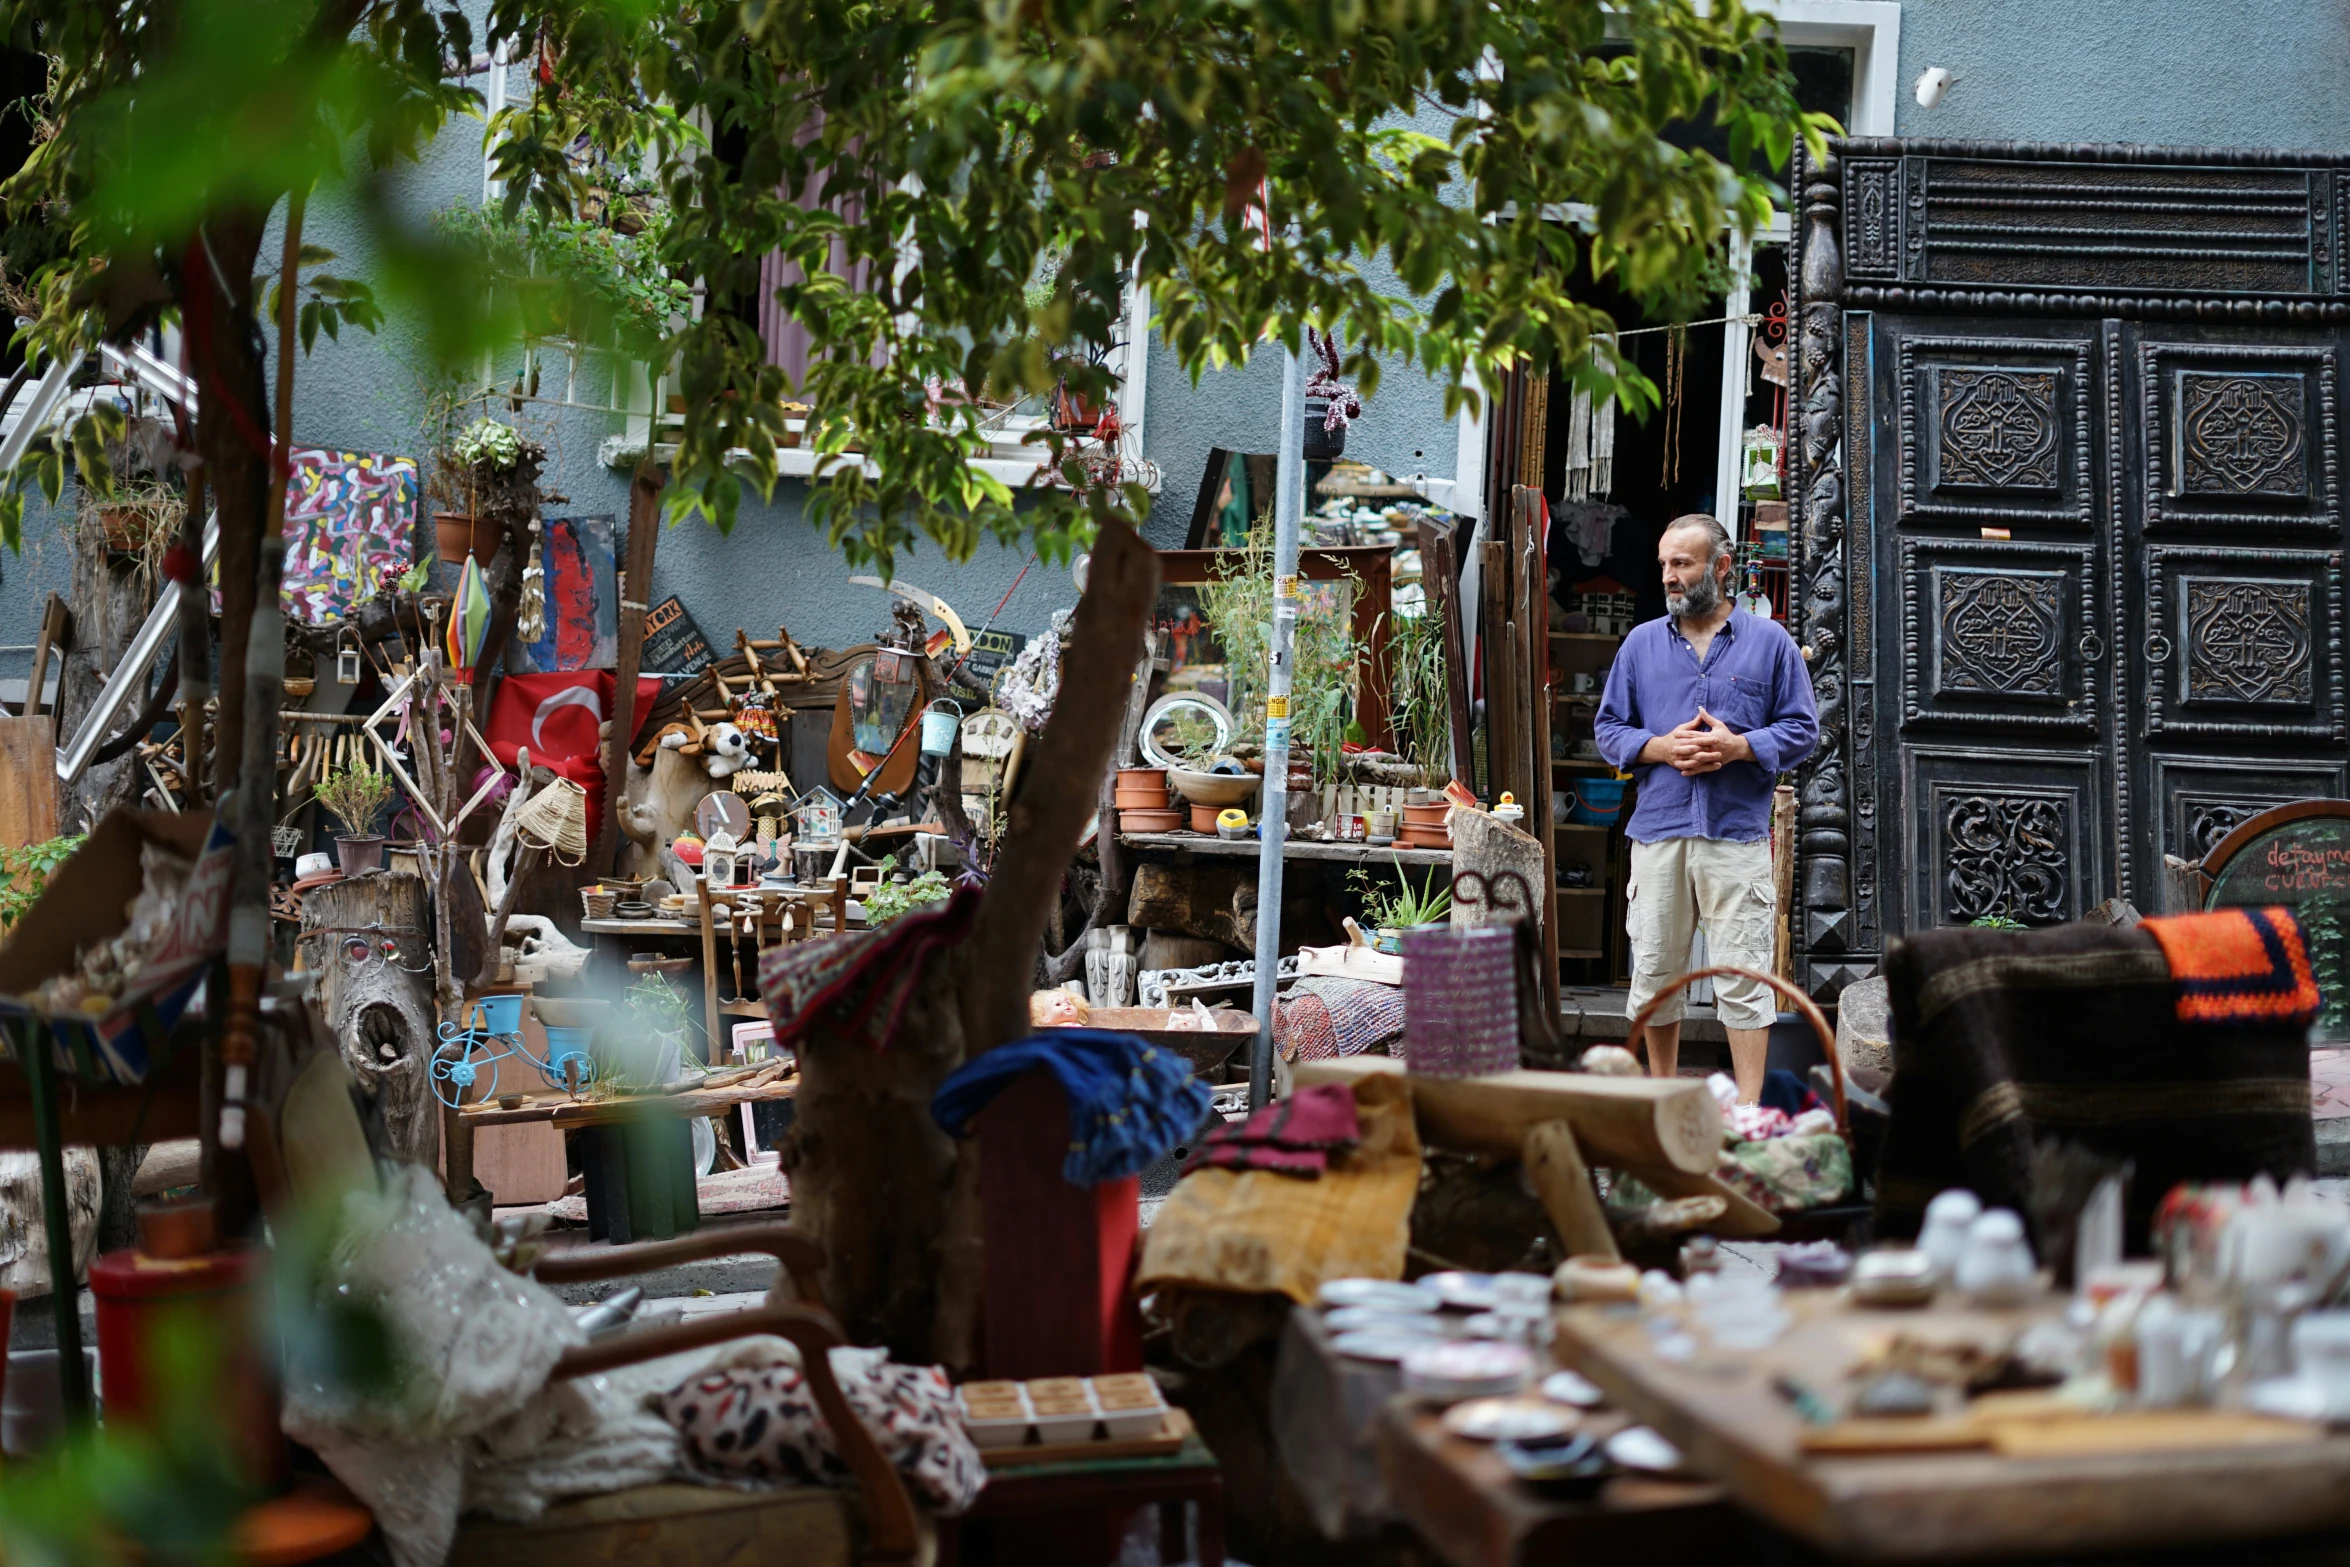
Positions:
(762, 1422)
(1321, 1017)
(1129, 1102)
(2002, 1039)
(855, 984)
(1293, 1137)
(2239, 966)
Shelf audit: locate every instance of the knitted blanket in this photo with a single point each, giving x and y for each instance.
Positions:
(2002, 1039)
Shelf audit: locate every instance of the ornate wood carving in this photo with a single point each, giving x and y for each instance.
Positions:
(2118, 608)
(1999, 634)
(2242, 435)
(2247, 641)
(1993, 431)
(2006, 856)
(1824, 820)
(1861, 545)
(1998, 428)
(2262, 630)
(1872, 218)
(2207, 821)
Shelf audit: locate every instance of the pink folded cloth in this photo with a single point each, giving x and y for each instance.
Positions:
(1296, 1136)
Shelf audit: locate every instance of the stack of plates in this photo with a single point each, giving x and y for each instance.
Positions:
(1456, 1370)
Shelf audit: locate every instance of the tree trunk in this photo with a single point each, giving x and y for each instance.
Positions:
(380, 1013)
(894, 1200)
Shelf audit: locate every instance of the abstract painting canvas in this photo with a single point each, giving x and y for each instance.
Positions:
(350, 529)
(583, 600)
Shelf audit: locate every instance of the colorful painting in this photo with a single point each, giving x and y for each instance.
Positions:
(350, 529)
(583, 600)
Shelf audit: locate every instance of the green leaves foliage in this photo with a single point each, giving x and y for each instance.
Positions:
(1437, 173)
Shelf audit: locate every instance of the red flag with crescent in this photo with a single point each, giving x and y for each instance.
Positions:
(559, 719)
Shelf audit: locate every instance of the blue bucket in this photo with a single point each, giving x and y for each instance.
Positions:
(562, 1045)
(1597, 801)
(501, 1014)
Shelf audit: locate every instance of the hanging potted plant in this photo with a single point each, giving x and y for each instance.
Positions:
(482, 450)
(1331, 404)
(355, 796)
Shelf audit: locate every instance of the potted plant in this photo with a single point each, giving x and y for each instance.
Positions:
(1331, 404)
(355, 796)
(1406, 908)
(483, 448)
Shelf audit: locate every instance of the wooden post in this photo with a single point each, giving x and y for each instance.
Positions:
(1440, 582)
(1555, 1169)
(56, 622)
(644, 532)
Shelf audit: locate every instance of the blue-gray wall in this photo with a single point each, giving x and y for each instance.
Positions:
(2169, 71)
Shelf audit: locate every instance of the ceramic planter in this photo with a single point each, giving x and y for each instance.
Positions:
(456, 536)
(359, 855)
(1322, 445)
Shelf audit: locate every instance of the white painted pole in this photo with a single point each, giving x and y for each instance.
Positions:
(1273, 820)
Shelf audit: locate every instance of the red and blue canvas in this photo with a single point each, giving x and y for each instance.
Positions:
(583, 600)
(350, 529)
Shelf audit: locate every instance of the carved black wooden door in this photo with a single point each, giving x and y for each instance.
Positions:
(2070, 523)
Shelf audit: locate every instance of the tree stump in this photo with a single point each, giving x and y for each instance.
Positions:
(380, 1013)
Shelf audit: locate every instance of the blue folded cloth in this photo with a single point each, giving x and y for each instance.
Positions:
(1130, 1102)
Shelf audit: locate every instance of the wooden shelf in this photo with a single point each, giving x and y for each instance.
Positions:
(1581, 892)
(1579, 765)
(1585, 636)
(1580, 954)
(1596, 827)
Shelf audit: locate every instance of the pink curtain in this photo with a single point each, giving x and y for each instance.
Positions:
(786, 339)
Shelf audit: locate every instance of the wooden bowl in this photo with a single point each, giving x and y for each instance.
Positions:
(1168, 820)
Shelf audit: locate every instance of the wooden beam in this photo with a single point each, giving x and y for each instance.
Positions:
(644, 532)
(1622, 1123)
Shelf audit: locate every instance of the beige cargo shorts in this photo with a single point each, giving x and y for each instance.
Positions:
(1679, 884)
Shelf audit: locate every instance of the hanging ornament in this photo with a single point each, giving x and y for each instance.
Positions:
(1676, 371)
(530, 617)
(469, 621)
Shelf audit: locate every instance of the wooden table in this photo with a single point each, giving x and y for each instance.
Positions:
(1106, 1486)
(1292, 849)
(657, 926)
(1460, 1499)
(1722, 1412)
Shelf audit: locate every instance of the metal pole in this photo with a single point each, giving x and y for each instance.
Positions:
(1273, 818)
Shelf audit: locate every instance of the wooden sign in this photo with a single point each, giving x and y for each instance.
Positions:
(2297, 857)
(992, 652)
(674, 645)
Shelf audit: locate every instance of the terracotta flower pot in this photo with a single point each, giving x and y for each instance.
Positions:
(457, 536)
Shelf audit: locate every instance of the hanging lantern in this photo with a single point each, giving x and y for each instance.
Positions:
(347, 657)
(469, 621)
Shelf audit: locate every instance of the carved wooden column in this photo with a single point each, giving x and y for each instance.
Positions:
(1823, 837)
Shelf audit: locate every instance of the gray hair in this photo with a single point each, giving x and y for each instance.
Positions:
(1716, 535)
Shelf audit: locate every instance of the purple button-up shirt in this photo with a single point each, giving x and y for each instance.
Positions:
(1752, 679)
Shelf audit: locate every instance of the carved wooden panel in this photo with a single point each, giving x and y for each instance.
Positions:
(1999, 633)
(2203, 798)
(2008, 835)
(1872, 218)
(2244, 644)
(2239, 434)
(1994, 430)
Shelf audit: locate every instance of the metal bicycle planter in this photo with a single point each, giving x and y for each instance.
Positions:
(492, 1033)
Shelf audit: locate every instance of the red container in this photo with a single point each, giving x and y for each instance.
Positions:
(140, 1298)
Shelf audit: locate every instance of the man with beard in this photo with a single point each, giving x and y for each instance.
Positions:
(1706, 707)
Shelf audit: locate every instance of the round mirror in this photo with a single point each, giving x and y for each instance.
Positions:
(1186, 729)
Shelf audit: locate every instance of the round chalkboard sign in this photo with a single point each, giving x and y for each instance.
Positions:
(2297, 857)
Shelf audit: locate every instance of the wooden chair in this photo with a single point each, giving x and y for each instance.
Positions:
(873, 1525)
(758, 918)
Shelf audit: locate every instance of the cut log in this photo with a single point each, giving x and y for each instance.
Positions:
(380, 1014)
(1494, 849)
(167, 1165)
(1216, 902)
(1623, 1123)
(1556, 1171)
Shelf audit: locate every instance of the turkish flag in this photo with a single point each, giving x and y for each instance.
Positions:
(559, 719)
